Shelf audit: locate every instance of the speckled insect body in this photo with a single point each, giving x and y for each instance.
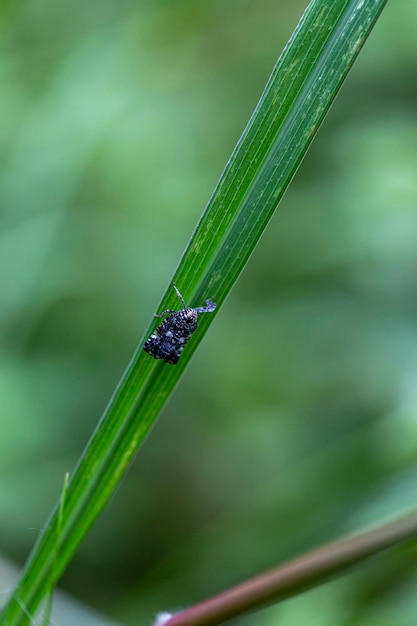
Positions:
(168, 340)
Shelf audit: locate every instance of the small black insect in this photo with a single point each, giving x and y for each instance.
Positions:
(168, 340)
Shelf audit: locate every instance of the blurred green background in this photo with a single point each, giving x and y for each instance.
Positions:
(296, 421)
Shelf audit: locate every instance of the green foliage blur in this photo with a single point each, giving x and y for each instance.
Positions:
(296, 421)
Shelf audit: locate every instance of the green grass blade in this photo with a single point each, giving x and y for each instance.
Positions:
(298, 95)
(50, 595)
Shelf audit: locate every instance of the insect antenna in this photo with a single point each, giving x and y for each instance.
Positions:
(180, 296)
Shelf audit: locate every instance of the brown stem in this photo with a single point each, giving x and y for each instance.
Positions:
(309, 570)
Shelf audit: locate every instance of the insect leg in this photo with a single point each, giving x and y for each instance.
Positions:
(164, 313)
